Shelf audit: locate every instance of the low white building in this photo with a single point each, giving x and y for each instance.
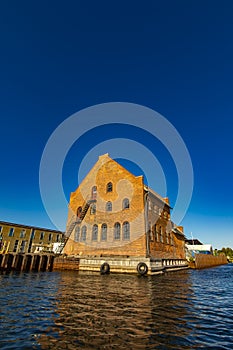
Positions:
(192, 249)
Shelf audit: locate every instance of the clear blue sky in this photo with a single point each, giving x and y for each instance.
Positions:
(176, 57)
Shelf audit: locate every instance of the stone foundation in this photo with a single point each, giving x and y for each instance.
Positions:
(119, 264)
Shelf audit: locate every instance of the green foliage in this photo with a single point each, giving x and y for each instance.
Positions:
(226, 251)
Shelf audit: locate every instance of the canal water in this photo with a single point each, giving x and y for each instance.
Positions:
(69, 310)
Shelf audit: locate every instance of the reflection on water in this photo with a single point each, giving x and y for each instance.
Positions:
(70, 310)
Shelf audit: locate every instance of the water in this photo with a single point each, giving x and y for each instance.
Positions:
(69, 310)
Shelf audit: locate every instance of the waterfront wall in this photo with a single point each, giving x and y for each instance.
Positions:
(26, 262)
(66, 263)
(204, 260)
(118, 264)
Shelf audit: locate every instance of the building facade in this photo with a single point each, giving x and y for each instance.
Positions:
(17, 238)
(113, 213)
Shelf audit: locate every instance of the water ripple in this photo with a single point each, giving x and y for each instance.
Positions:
(70, 310)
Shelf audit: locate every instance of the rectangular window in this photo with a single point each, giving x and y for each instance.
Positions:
(11, 232)
(22, 234)
(0, 229)
(42, 235)
(23, 246)
(33, 234)
(15, 246)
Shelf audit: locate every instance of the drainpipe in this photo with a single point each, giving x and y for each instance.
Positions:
(146, 224)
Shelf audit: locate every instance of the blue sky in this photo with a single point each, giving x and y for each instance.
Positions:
(175, 57)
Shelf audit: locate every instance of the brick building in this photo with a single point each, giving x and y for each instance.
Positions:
(114, 214)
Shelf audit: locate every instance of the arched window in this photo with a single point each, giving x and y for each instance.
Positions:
(109, 187)
(95, 233)
(94, 192)
(125, 203)
(117, 230)
(79, 210)
(126, 230)
(77, 234)
(104, 229)
(93, 209)
(84, 233)
(109, 206)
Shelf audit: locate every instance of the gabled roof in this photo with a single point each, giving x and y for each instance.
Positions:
(155, 194)
(177, 230)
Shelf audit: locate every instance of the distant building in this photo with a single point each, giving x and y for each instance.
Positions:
(113, 213)
(197, 248)
(193, 241)
(17, 238)
(200, 248)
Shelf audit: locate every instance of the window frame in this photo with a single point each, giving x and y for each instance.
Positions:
(109, 187)
(22, 233)
(94, 234)
(83, 233)
(126, 233)
(104, 230)
(11, 232)
(117, 231)
(125, 203)
(94, 192)
(109, 206)
(77, 234)
(93, 209)
(42, 235)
